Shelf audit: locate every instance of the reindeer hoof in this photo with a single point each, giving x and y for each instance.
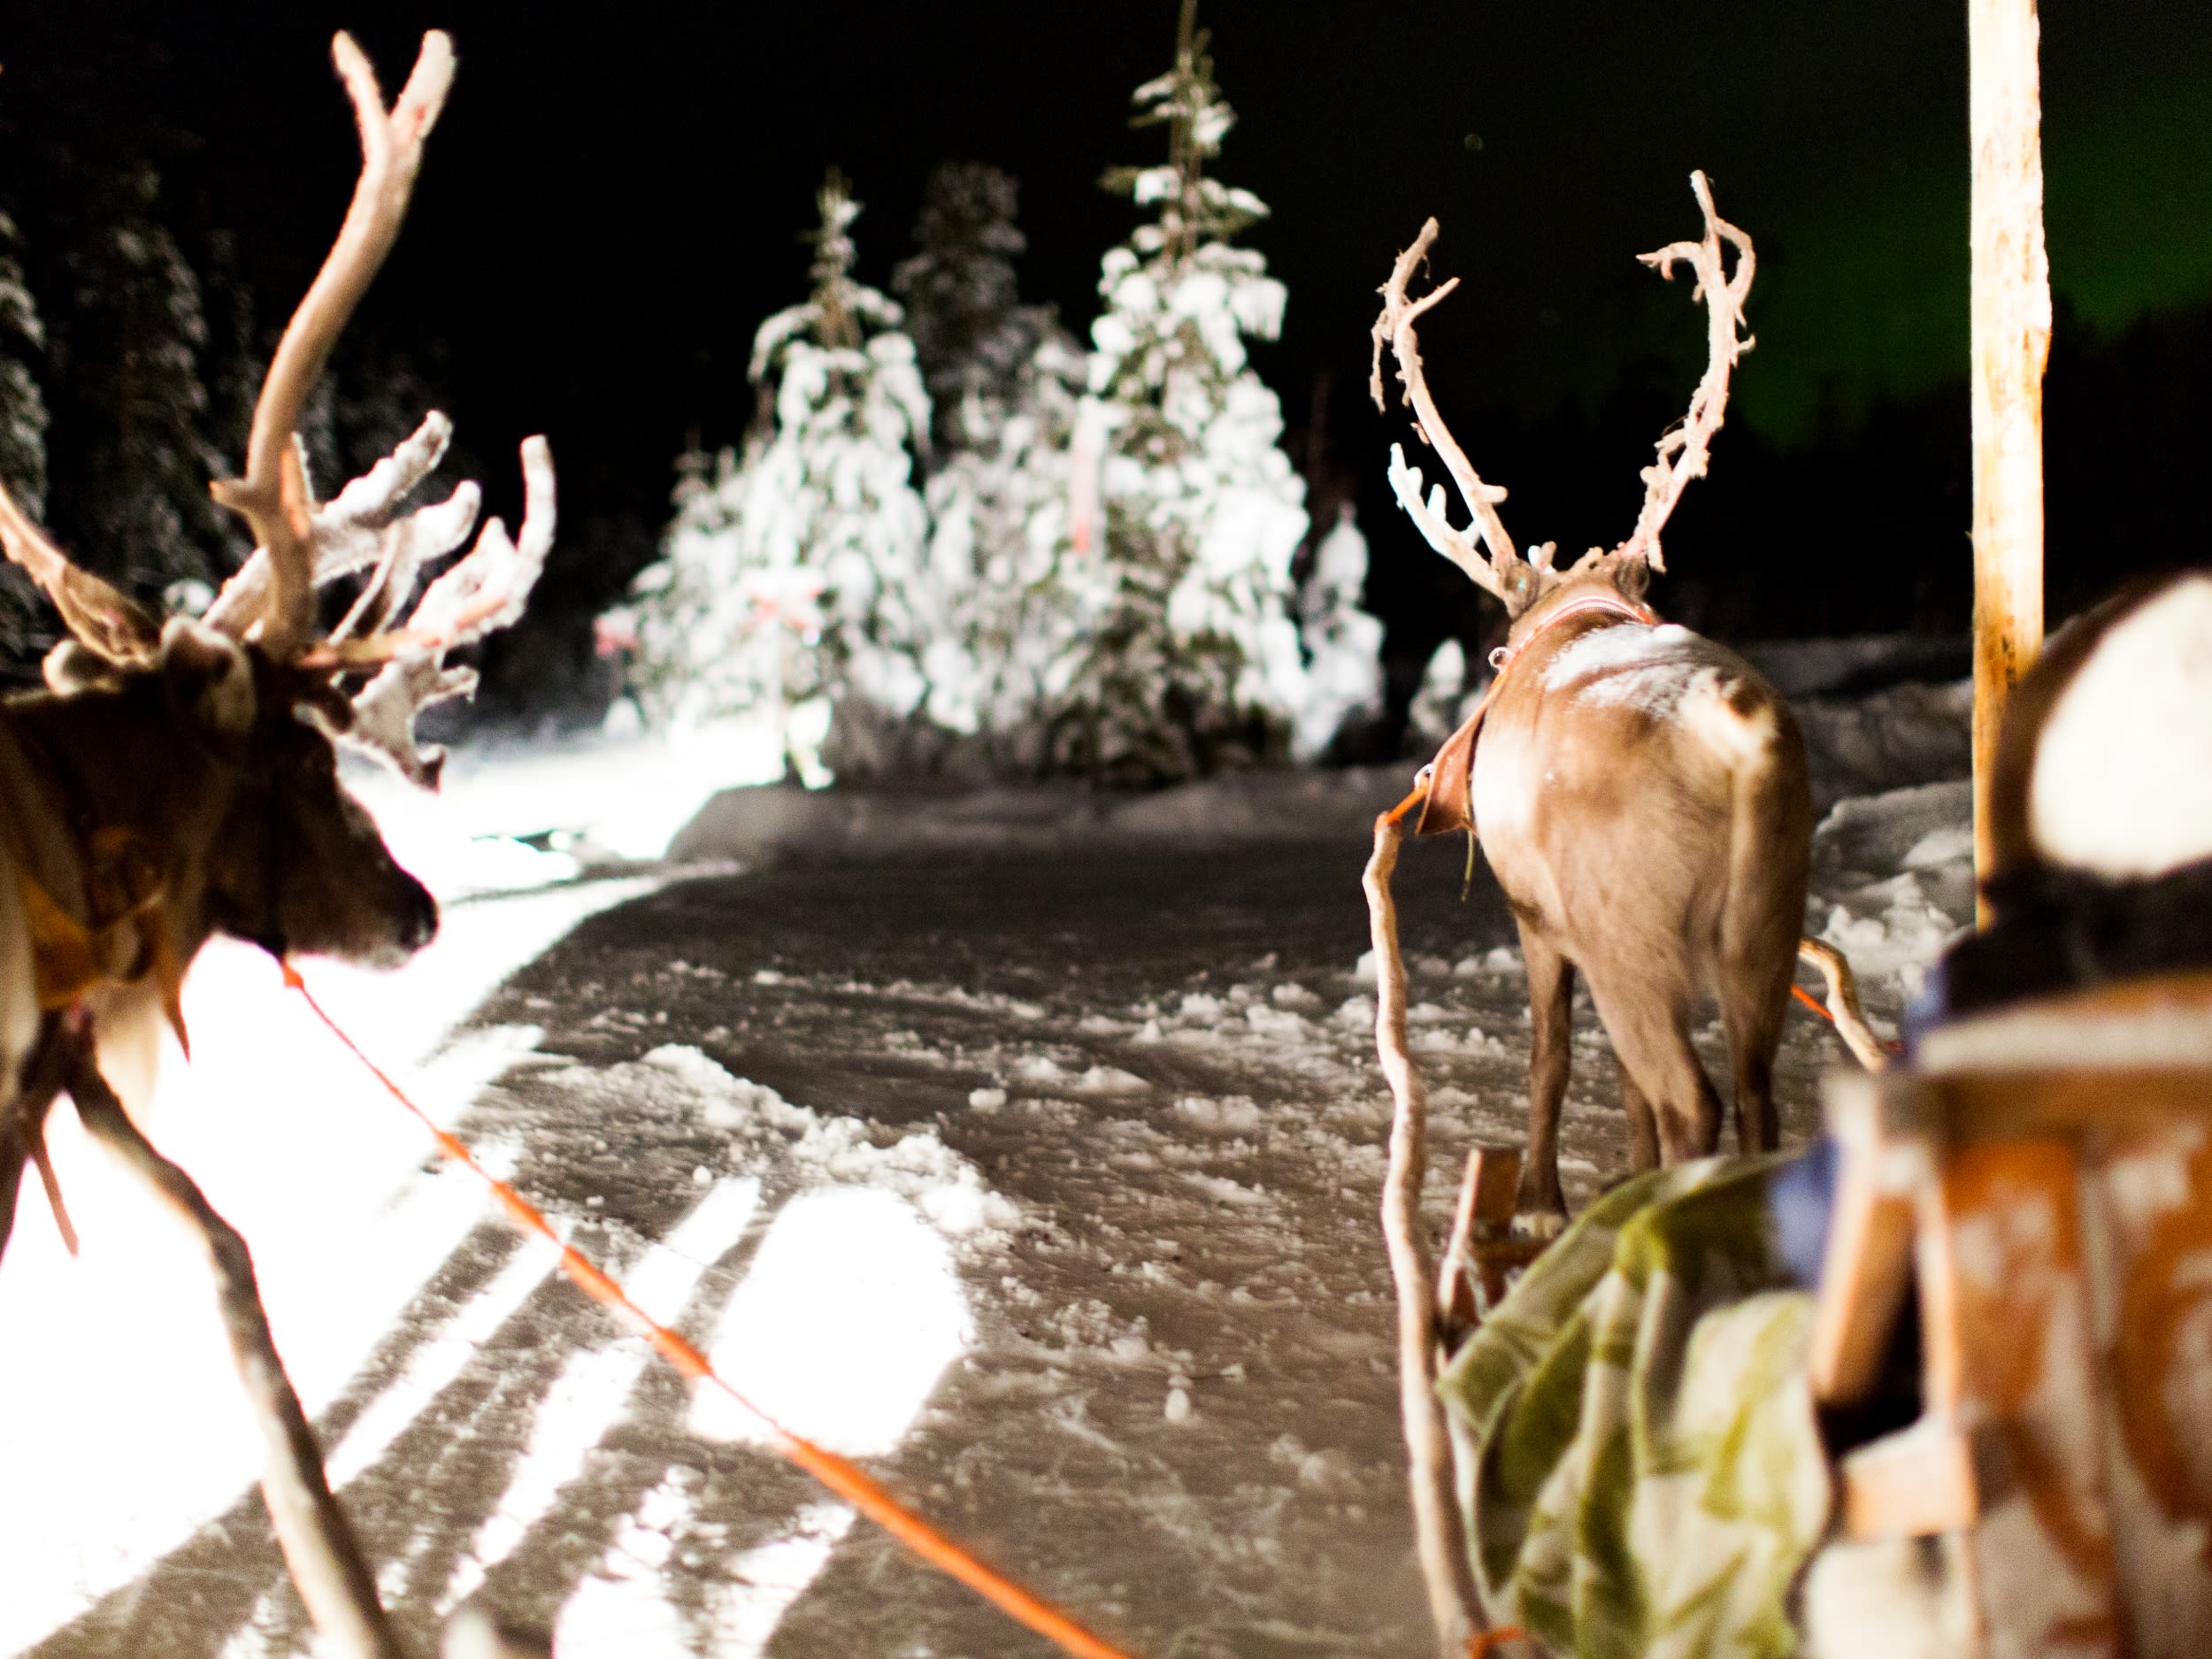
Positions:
(1539, 1224)
(472, 1633)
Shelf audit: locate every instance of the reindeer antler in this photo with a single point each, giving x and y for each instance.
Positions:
(364, 528)
(1396, 329)
(1685, 449)
(103, 617)
(272, 497)
(484, 591)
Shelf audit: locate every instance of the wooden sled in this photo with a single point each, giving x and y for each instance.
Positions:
(2043, 1175)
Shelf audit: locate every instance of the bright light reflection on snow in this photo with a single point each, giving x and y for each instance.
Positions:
(589, 1396)
(122, 1426)
(850, 1313)
(744, 1612)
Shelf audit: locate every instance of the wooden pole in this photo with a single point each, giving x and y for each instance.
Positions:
(2011, 343)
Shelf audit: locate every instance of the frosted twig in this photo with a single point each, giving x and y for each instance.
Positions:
(1438, 1535)
(1685, 449)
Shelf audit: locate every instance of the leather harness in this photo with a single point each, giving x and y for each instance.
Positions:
(1448, 780)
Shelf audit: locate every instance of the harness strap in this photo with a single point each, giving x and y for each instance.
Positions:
(95, 899)
(1449, 780)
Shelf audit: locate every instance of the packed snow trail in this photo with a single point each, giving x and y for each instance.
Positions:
(1058, 1174)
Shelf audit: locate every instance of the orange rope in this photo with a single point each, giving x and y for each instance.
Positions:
(1483, 1643)
(1420, 794)
(1813, 1002)
(840, 1475)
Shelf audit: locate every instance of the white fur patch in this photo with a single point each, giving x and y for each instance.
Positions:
(1706, 711)
(2122, 783)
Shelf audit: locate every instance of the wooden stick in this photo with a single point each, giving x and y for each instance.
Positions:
(1438, 1535)
(326, 1561)
(2011, 341)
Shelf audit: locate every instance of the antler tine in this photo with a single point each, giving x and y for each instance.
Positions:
(272, 496)
(350, 533)
(1684, 450)
(101, 616)
(483, 593)
(1396, 329)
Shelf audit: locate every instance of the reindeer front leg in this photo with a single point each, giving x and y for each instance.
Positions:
(325, 1562)
(1551, 985)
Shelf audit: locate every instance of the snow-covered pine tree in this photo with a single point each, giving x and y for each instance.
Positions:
(1190, 660)
(1343, 644)
(796, 579)
(1005, 383)
(973, 338)
(128, 354)
(22, 430)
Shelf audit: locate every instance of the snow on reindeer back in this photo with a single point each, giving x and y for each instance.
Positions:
(1634, 666)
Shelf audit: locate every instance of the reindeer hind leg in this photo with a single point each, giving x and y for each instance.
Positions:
(1551, 984)
(1752, 1009)
(1650, 1028)
(1643, 1124)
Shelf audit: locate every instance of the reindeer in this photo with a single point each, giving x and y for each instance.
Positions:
(178, 779)
(1641, 791)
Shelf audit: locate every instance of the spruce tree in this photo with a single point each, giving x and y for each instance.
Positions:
(797, 581)
(1190, 660)
(1005, 382)
(973, 338)
(129, 354)
(1343, 644)
(22, 430)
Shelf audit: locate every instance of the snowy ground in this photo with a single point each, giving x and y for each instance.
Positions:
(1027, 1147)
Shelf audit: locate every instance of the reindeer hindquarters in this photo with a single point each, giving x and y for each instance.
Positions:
(1769, 849)
(1551, 984)
(1648, 1020)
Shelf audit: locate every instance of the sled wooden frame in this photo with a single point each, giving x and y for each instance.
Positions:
(1483, 1255)
(1984, 1178)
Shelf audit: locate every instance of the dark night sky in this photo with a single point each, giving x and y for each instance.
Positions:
(613, 200)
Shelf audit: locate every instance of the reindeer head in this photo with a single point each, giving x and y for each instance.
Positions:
(1521, 584)
(243, 705)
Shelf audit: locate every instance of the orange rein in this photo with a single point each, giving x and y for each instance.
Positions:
(840, 1475)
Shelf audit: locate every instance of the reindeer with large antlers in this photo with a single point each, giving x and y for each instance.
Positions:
(178, 779)
(1641, 791)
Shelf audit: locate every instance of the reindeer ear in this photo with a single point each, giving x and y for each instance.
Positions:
(1631, 574)
(209, 677)
(71, 668)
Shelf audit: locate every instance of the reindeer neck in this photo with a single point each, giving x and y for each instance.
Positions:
(109, 761)
(1598, 602)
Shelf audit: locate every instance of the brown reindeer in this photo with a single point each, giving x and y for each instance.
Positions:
(1641, 791)
(177, 780)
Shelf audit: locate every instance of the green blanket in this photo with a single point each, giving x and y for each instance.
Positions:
(1638, 1464)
